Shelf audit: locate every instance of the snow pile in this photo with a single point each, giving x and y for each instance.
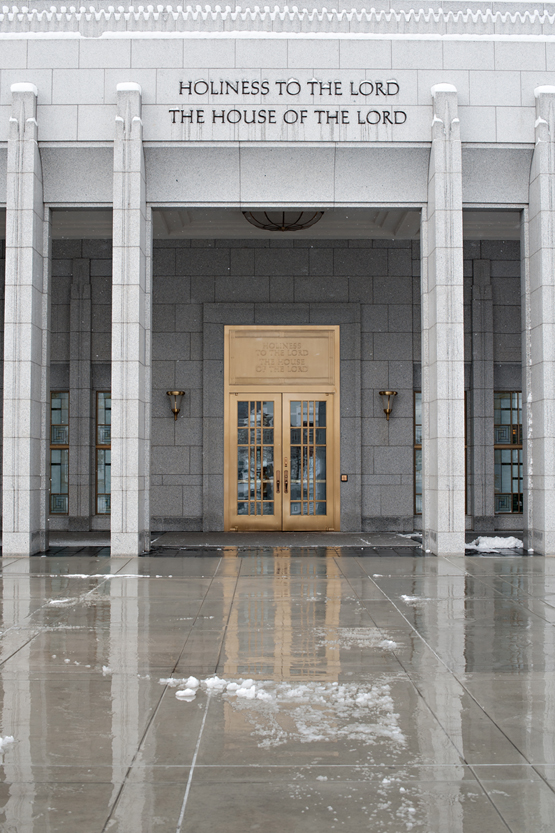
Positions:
(306, 712)
(186, 694)
(485, 544)
(189, 692)
(4, 742)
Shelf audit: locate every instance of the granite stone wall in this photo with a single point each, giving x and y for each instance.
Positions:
(370, 288)
(364, 286)
(80, 350)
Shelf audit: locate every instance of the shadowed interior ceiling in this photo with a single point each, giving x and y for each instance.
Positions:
(229, 223)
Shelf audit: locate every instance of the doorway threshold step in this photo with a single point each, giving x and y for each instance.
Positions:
(283, 539)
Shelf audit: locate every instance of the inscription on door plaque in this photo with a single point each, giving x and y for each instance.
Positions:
(295, 356)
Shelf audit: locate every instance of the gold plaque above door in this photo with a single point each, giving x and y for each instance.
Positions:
(281, 464)
(288, 356)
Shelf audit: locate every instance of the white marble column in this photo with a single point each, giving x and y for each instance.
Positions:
(443, 521)
(131, 333)
(539, 335)
(26, 337)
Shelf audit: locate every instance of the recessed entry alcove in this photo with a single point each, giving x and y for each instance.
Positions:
(357, 270)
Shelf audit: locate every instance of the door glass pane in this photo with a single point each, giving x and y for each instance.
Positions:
(320, 420)
(296, 414)
(308, 457)
(255, 457)
(103, 480)
(242, 413)
(59, 481)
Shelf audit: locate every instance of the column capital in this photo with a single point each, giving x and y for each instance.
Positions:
(24, 87)
(545, 113)
(445, 124)
(23, 117)
(129, 124)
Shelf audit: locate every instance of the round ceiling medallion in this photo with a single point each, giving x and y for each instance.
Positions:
(283, 220)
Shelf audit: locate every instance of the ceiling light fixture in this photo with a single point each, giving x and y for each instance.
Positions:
(283, 220)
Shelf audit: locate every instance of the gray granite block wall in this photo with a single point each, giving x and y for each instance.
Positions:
(370, 288)
(364, 286)
(75, 336)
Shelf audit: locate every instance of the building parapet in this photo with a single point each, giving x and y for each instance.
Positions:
(451, 19)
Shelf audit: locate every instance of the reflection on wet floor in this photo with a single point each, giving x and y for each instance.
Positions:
(254, 688)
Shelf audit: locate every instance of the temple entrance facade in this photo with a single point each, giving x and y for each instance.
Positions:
(336, 249)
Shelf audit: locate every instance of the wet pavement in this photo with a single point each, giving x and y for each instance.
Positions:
(306, 689)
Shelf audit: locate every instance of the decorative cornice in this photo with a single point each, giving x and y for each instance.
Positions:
(165, 19)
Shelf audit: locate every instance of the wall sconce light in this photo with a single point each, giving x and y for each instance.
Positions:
(389, 394)
(175, 399)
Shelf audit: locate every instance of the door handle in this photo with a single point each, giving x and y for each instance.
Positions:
(278, 479)
(286, 481)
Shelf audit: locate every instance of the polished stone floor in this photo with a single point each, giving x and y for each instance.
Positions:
(266, 690)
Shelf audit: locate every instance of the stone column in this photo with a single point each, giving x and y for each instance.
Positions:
(80, 325)
(26, 337)
(443, 521)
(539, 335)
(481, 474)
(131, 326)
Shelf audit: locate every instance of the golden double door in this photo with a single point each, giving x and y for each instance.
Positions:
(281, 449)
(281, 473)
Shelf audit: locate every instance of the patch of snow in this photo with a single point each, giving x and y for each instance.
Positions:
(309, 712)
(215, 684)
(24, 88)
(173, 682)
(106, 670)
(443, 88)
(62, 602)
(75, 575)
(4, 742)
(348, 638)
(128, 86)
(63, 627)
(186, 694)
(96, 575)
(494, 544)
